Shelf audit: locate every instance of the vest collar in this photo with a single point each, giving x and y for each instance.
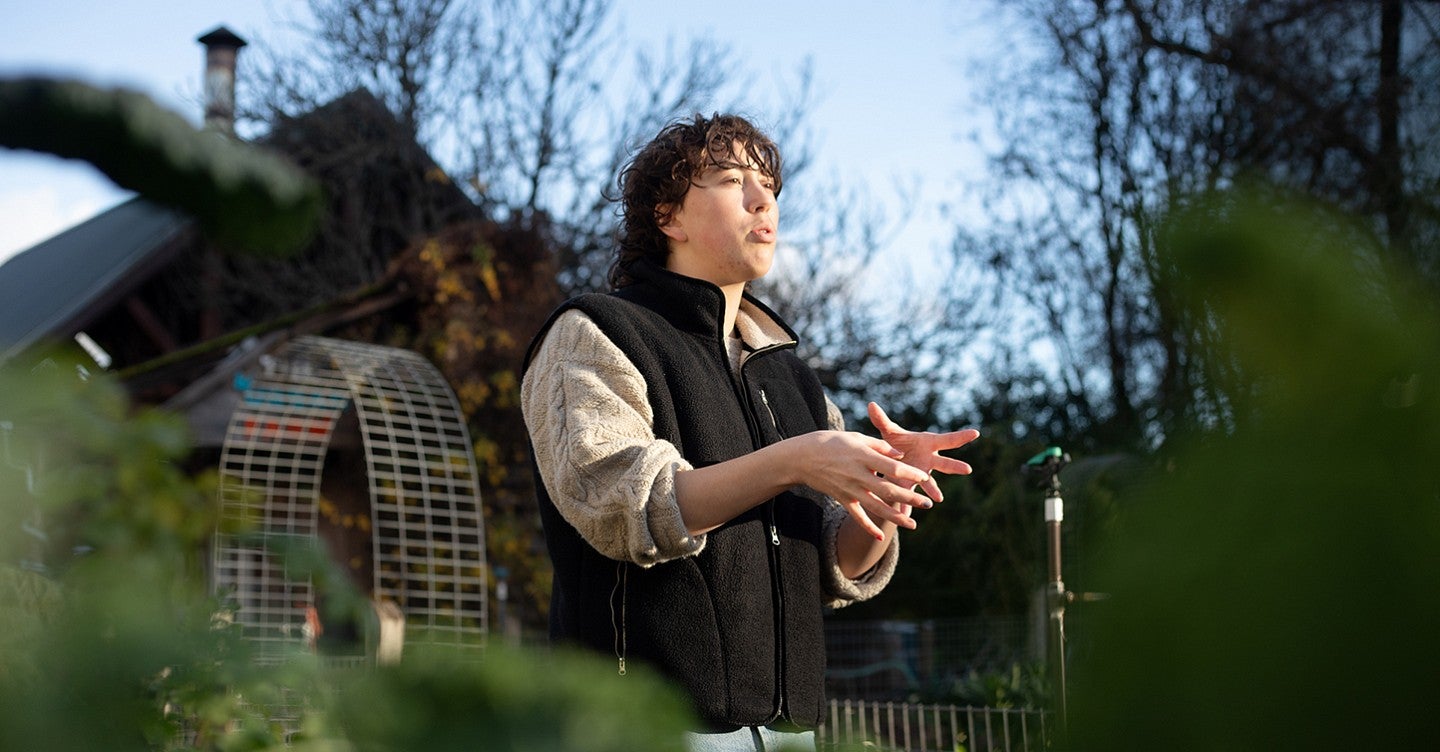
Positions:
(697, 306)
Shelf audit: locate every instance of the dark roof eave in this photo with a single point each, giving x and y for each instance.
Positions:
(50, 296)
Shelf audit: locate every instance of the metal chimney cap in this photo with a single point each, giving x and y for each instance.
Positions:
(222, 37)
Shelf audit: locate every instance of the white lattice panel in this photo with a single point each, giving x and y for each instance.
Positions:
(427, 542)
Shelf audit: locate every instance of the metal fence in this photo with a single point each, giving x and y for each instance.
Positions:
(897, 726)
(895, 659)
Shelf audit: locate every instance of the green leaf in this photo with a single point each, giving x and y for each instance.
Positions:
(244, 198)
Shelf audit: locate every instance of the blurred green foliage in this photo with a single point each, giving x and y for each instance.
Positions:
(513, 701)
(245, 199)
(1272, 591)
(93, 497)
(1025, 685)
(118, 646)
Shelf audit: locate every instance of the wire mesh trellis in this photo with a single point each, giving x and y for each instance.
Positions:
(410, 531)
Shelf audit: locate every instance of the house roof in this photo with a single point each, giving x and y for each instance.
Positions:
(57, 287)
(69, 282)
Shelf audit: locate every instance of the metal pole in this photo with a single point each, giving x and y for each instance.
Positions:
(1048, 464)
(1057, 598)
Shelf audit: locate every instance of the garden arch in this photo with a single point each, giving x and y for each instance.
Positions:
(362, 449)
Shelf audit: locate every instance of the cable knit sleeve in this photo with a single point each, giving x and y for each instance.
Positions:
(593, 435)
(840, 590)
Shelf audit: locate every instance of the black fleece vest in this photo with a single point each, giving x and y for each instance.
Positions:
(739, 625)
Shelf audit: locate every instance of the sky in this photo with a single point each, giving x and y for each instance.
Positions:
(894, 104)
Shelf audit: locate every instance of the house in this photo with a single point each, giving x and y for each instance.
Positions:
(288, 373)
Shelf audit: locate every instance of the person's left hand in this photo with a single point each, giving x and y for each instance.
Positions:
(922, 449)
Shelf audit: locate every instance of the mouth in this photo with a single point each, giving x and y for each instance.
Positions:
(764, 233)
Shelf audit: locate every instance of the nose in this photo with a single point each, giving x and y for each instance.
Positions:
(760, 198)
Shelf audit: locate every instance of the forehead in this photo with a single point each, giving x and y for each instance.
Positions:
(721, 154)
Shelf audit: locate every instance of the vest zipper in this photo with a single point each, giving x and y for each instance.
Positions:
(765, 399)
(773, 421)
(780, 646)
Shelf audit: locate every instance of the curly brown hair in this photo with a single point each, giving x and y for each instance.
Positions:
(656, 179)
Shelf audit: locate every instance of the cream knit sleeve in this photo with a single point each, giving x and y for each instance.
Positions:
(840, 590)
(592, 432)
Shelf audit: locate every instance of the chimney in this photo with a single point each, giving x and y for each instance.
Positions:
(222, 47)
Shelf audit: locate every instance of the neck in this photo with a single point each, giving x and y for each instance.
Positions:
(733, 294)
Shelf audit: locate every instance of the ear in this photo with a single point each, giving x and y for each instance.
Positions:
(672, 226)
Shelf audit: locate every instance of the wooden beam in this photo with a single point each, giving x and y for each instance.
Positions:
(150, 324)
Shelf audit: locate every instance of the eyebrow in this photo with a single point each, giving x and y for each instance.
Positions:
(733, 165)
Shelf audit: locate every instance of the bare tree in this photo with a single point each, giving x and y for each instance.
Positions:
(1329, 97)
(527, 110)
(406, 53)
(1130, 107)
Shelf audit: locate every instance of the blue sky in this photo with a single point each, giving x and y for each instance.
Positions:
(894, 101)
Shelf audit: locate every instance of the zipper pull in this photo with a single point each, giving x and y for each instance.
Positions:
(765, 400)
(774, 536)
(622, 666)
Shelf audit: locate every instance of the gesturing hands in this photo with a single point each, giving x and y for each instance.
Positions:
(922, 450)
(873, 478)
(898, 461)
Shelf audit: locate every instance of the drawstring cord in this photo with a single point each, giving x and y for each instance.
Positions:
(621, 573)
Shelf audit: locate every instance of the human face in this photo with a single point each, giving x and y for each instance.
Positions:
(724, 230)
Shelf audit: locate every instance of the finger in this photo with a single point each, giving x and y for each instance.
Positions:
(956, 439)
(855, 510)
(880, 420)
(904, 495)
(883, 447)
(904, 474)
(912, 499)
(877, 507)
(951, 466)
(891, 492)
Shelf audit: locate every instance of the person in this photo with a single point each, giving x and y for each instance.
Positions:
(701, 502)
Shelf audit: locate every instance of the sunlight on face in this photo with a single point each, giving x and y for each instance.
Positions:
(726, 227)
